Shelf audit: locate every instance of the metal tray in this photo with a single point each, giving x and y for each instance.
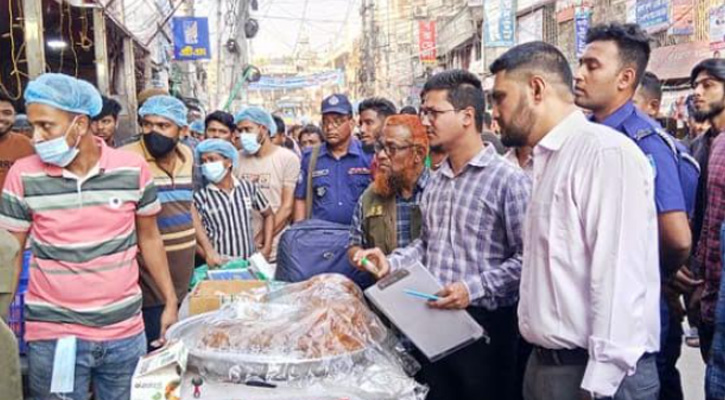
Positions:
(240, 367)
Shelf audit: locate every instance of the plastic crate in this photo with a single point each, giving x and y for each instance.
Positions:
(16, 320)
(24, 273)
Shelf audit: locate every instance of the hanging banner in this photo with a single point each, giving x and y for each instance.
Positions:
(335, 77)
(499, 23)
(427, 42)
(191, 38)
(653, 15)
(581, 26)
(683, 17)
(717, 28)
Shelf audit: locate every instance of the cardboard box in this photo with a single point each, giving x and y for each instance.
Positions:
(158, 375)
(211, 295)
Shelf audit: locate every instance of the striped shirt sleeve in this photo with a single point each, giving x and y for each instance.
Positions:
(259, 201)
(148, 203)
(15, 215)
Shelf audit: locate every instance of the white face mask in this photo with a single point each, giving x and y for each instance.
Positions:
(250, 143)
(56, 151)
(214, 171)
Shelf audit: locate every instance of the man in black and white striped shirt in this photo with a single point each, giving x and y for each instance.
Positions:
(225, 204)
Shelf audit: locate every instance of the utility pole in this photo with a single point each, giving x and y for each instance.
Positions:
(369, 43)
(219, 50)
(240, 36)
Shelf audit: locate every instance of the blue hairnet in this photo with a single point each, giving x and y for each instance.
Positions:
(258, 116)
(197, 126)
(220, 146)
(165, 106)
(64, 93)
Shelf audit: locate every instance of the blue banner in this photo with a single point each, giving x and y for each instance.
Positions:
(653, 15)
(191, 38)
(499, 23)
(581, 27)
(335, 77)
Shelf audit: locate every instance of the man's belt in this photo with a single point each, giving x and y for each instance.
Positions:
(561, 356)
(576, 356)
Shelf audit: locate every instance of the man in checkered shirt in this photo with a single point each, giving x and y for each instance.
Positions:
(473, 210)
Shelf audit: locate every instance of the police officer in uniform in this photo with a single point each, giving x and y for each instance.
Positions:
(611, 68)
(334, 174)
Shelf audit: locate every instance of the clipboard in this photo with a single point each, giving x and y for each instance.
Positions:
(436, 333)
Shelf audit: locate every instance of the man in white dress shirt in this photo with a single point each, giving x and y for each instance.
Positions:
(590, 279)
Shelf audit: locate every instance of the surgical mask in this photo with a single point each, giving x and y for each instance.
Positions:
(214, 171)
(249, 143)
(157, 144)
(64, 366)
(56, 151)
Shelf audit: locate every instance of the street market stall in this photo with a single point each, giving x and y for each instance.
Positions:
(314, 339)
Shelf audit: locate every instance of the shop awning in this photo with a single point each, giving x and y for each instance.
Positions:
(676, 62)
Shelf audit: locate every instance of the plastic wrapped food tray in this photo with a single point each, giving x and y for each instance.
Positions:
(299, 335)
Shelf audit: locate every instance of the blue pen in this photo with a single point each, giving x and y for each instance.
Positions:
(421, 295)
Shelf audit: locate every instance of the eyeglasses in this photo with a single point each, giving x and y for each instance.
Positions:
(390, 149)
(432, 114)
(334, 122)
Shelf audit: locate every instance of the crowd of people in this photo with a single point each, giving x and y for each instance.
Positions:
(573, 228)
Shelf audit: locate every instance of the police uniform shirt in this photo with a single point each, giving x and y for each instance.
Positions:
(337, 184)
(642, 129)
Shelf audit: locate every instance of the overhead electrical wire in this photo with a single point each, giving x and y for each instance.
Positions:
(15, 70)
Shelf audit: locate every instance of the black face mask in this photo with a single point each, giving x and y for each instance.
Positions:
(157, 144)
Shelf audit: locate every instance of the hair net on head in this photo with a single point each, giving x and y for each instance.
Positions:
(165, 106)
(258, 116)
(64, 93)
(197, 126)
(219, 146)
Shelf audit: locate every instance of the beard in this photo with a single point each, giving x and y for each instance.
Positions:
(714, 109)
(368, 148)
(389, 183)
(516, 133)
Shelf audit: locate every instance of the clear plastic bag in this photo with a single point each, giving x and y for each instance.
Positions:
(314, 333)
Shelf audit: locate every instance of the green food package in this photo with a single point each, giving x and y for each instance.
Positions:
(198, 275)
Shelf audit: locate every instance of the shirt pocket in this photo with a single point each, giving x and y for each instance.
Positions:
(322, 190)
(360, 182)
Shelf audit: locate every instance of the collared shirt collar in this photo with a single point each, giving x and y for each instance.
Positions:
(617, 118)
(423, 179)
(235, 184)
(480, 160)
(561, 132)
(56, 171)
(355, 149)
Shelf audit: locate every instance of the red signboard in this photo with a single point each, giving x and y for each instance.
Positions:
(427, 42)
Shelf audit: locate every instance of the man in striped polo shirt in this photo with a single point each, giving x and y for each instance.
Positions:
(163, 123)
(87, 209)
